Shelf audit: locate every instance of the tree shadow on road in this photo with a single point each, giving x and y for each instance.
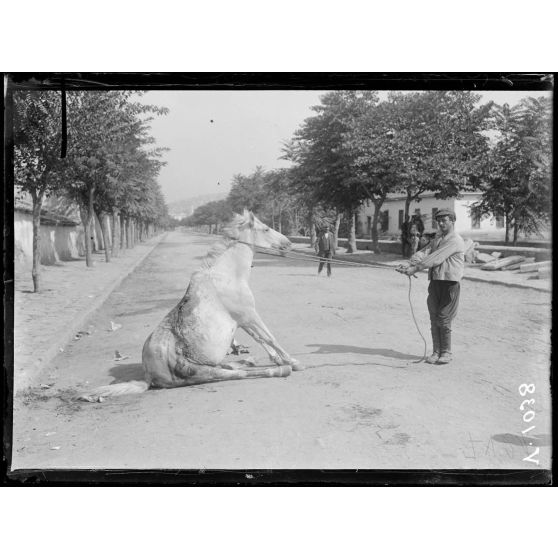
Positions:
(127, 372)
(158, 304)
(390, 353)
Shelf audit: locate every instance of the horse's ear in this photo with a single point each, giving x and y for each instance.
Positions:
(251, 215)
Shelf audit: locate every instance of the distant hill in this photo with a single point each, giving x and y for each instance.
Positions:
(184, 208)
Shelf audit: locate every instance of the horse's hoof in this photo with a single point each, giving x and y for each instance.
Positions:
(297, 366)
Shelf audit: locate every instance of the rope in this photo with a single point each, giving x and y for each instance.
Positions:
(416, 325)
(309, 257)
(303, 256)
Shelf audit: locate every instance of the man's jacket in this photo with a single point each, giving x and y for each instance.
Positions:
(324, 244)
(444, 257)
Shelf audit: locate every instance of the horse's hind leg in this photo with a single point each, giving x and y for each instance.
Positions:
(202, 374)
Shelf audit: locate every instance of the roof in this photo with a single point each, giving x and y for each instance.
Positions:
(47, 217)
(427, 195)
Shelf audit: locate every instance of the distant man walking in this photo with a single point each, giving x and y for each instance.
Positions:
(325, 247)
(444, 257)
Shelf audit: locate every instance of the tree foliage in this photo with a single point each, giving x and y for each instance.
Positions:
(213, 215)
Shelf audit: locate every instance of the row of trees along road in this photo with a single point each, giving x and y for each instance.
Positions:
(356, 149)
(110, 169)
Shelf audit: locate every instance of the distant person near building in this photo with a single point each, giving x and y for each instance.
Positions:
(415, 232)
(405, 238)
(325, 248)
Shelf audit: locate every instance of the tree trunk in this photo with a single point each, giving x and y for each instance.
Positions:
(336, 231)
(407, 205)
(313, 235)
(507, 237)
(115, 232)
(280, 229)
(375, 220)
(351, 249)
(123, 244)
(295, 223)
(515, 233)
(98, 242)
(128, 239)
(86, 214)
(103, 219)
(86, 221)
(36, 270)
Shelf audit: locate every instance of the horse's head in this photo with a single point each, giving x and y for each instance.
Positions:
(249, 229)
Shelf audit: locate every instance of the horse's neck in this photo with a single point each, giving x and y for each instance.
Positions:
(235, 260)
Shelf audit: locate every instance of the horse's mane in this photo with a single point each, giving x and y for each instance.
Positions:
(230, 235)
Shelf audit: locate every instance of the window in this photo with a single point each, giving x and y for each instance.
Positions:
(434, 222)
(401, 213)
(475, 221)
(500, 220)
(385, 220)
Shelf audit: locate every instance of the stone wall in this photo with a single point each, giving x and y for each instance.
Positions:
(56, 242)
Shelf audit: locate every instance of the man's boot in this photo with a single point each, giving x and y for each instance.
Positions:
(433, 358)
(445, 346)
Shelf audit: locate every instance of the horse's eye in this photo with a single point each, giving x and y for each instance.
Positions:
(266, 230)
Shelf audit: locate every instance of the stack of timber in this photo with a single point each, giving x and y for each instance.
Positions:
(544, 273)
(543, 269)
(537, 266)
(482, 257)
(517, 265)
(503, 263)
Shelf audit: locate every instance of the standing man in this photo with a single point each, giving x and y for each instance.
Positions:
(325, 246)
(444, 257)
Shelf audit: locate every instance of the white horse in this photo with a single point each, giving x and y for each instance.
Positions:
(189, 345)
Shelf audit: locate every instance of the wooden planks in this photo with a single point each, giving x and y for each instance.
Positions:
(500, 264)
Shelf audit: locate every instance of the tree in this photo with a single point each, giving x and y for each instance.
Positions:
(106, 134)
(38, 168)
(438, 141)
(518, 183)
(213, 215)
(247, 192)
(374, 161)
(325, 161)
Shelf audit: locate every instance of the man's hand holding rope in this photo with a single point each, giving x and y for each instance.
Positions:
(409, 270)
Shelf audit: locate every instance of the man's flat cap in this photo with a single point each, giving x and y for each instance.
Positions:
(445, 212)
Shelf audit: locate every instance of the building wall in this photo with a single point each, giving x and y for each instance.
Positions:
(56, 242)
(426, 206)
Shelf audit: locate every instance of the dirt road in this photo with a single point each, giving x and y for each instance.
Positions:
(361, 402)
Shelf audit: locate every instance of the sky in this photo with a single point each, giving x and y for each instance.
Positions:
(213, 135)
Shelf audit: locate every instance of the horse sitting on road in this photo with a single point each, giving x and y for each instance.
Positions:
(189, 345)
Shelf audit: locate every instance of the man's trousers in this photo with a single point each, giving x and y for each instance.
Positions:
(443, 300)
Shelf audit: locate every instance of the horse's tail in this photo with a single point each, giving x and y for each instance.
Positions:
(114, 390)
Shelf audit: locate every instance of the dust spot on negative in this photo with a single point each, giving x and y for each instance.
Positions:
(362, 412)
(400, 439)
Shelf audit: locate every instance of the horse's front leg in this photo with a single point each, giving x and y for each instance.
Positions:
(256, 328)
